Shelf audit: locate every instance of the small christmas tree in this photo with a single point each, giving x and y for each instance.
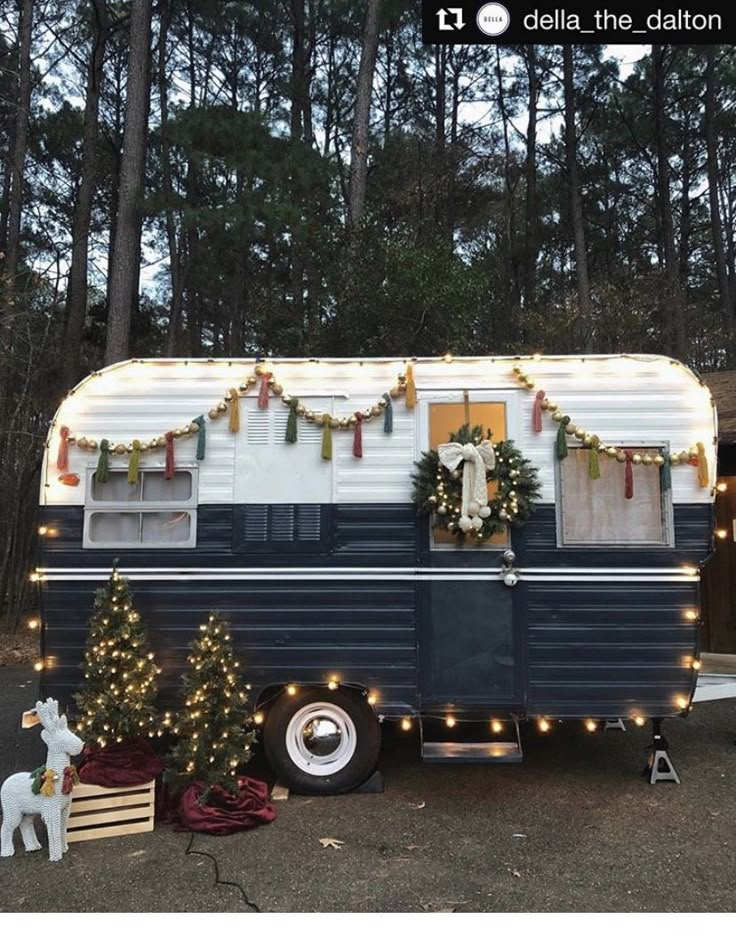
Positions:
(212, 738)
(116, 702)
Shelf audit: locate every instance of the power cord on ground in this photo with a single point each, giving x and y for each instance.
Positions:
(191, 850)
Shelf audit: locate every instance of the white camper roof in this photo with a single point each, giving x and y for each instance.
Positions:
(625, 399)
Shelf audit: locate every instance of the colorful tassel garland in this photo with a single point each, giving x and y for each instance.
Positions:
(629, 474)
(62, 458)
(134, 461)
(703, 473)
(326, 437)
(594, 467)
(234, 405)
(388, 415)
(169, 468)
(291, 421)
(537, 411)
(561, 442)
(263, 392)
(201, 437)
(411, 387)
(103, 462)
(358, 436)
(665, 473)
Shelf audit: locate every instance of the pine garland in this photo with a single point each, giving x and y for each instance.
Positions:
(439, 491)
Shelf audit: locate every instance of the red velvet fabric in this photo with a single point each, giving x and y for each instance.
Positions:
(629, 475)
(169, 464)
(358, 436)
(537, 411)
(224, 812)
(129, 763)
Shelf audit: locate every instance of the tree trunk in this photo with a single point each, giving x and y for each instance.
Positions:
(76, 303)
(20, 146)
(724, 289)
(585, 330)
(361, 118)
(532, 217)
(674, 329)
(173, 337)
(124, 276)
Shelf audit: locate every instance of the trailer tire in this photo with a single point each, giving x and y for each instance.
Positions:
(322, 742)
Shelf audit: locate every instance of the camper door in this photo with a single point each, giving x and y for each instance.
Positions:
(471, 652)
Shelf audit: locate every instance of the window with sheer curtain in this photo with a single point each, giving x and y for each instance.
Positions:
(596, 512)
(153, 513)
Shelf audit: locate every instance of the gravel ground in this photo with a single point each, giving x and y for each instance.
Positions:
(573, 828)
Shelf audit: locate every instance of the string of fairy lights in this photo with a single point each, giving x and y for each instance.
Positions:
(404, 386)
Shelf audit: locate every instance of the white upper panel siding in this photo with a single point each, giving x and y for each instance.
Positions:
(625, 400)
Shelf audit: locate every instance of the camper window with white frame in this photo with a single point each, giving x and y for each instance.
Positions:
(152, 513)
(596, 512)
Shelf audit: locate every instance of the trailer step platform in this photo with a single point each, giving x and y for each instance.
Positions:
(497, 751)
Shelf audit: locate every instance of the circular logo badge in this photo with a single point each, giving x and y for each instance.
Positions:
(493, 19)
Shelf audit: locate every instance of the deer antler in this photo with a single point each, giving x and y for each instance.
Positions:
(48, 713)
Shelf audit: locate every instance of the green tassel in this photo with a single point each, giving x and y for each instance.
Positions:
(326, 437)
(201, 437)
(594, 467)
(561, 443)
(665, 473)
(103, 462)
(134, 462)
(36, 778)
(388, 415)
(291, 421)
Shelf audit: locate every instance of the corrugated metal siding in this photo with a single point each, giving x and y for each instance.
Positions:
(602, 649)
(631, 400)
(363, 632)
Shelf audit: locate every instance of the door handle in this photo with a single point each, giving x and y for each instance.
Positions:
(509, 573)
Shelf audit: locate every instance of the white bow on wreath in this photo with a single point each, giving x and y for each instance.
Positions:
(476, 460)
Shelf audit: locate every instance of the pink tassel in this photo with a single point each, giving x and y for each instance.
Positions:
(169, 469)
(358, 436)
(537, 412)
(62, 458)
(263, 392)
(629, 475)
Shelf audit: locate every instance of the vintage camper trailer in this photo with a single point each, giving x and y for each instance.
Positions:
(281, 493)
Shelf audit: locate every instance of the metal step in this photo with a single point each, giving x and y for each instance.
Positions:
(496, 751)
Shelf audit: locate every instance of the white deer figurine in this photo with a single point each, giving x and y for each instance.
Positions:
(53, 798)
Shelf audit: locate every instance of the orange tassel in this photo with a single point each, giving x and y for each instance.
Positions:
(703, 472)
(234, 424)
(411, 387)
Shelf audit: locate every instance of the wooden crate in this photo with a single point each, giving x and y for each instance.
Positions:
(101, 812)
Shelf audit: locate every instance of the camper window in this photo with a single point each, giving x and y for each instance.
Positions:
(153, 513)
(596, 512)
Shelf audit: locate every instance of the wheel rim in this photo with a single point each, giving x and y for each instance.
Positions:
(321, 739)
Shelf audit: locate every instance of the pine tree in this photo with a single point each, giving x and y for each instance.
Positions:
(116, 701)
(212, 737)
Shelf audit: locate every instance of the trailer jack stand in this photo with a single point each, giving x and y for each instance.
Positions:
(659, 766)
(614, 723)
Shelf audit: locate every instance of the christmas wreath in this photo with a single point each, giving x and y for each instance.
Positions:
(451, 484)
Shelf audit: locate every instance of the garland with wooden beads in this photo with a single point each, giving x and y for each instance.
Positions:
(405, 385)
(696, 455)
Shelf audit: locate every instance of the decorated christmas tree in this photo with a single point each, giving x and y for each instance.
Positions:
(116, 702)
(212, 737)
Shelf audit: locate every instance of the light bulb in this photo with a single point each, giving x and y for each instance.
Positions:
(332, 684)
(639, 720)
(496, 727)
(372, 698)
(681, 702)
(258, 718)
(406, 723)
(450, 721)
(591, 726)
(34, 623)
(544, 725)
(697, 664)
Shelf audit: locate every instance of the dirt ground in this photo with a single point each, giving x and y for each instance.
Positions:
(573, 828)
